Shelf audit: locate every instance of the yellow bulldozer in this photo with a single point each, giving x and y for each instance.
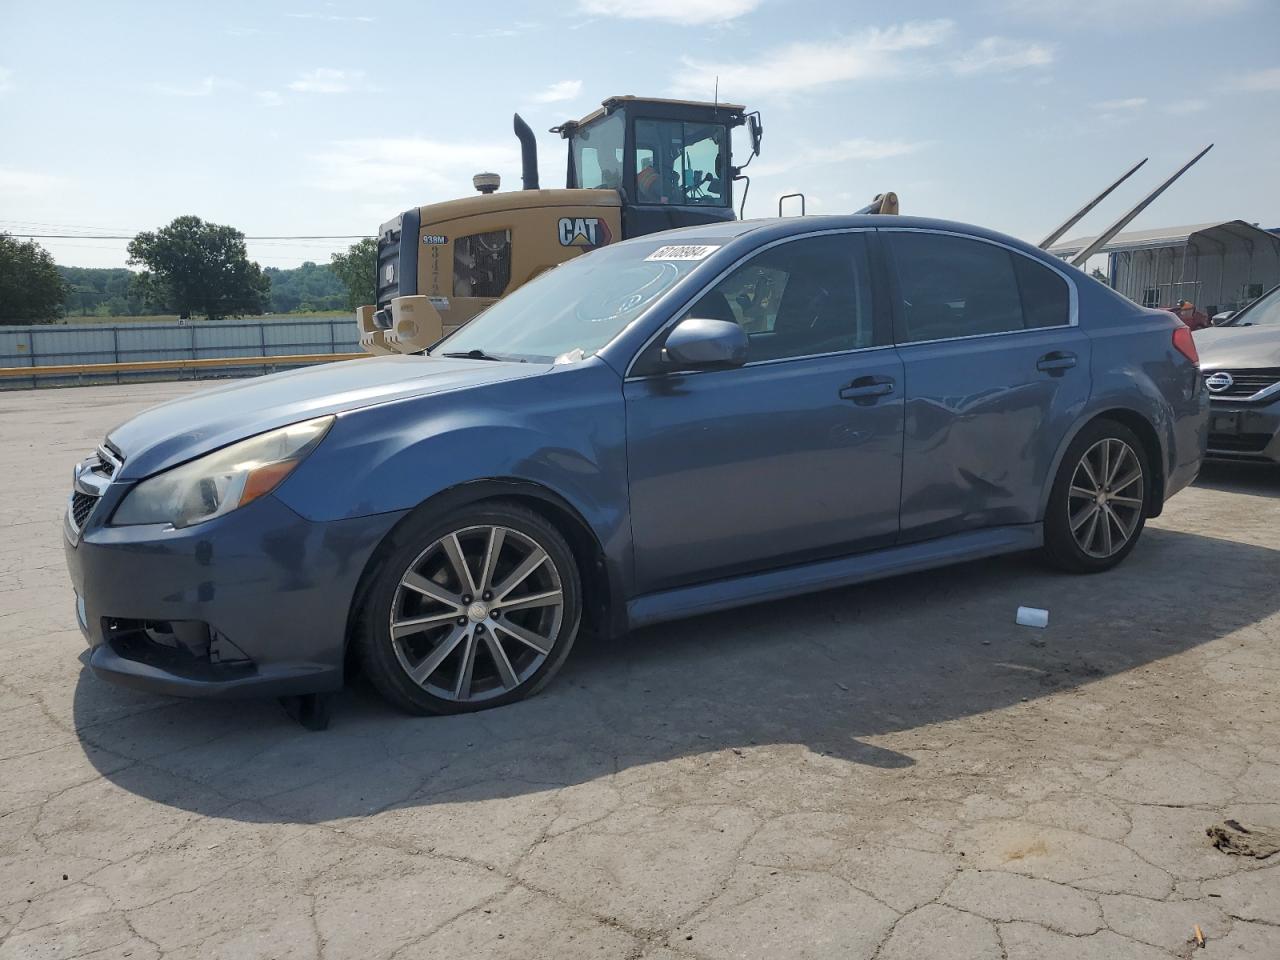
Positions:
(635, 166)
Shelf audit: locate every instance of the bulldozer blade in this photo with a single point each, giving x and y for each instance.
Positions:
(1080, 214)
(1124, 221)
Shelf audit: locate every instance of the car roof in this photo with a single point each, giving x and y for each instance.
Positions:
(771, 228)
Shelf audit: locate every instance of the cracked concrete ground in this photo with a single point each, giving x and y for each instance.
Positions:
(891, 771)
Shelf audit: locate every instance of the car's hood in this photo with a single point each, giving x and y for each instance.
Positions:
(1238, 348)
(176, 431)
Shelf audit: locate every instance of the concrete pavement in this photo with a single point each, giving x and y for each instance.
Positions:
(891, 771)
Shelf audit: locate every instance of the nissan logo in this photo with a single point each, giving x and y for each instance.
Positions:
(1217, 382)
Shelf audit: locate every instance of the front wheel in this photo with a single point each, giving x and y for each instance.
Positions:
(1099, 502)
(475, 610)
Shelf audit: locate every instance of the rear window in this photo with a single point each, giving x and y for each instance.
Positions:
(961, 287)
(1046, 302)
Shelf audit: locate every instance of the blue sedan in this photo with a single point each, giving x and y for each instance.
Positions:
(665, 427)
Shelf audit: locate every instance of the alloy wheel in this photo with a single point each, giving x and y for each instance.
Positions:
(1104, 504)
(477, 613)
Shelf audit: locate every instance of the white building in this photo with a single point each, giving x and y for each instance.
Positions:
(1217, 266)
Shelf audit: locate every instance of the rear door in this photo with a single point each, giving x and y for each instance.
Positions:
(996, 372)
(793, 457)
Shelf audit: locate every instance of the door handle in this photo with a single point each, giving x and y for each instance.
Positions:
(866, 389)
(1058, 360)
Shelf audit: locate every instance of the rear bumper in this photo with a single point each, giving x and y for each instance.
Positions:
(1188, 441)
(255, 603)
(1244, 431)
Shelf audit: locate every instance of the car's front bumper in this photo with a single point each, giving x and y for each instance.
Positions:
(1244, 431)
(254, 603)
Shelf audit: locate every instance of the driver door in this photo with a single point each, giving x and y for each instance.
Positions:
(795, 456)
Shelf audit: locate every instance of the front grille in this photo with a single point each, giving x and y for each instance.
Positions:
(106, 465)
(1239, 442)
(92, 477)
(82, 505)
(1245, 383)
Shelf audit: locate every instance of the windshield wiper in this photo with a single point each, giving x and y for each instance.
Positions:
(473, 355)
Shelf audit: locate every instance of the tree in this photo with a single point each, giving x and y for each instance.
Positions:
(31, 289)
(197, 267)
(358, 269)
(1099, 276)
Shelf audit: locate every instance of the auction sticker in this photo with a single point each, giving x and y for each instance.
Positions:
(684, 252)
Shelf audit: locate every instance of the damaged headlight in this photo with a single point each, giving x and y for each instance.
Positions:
(221, 481)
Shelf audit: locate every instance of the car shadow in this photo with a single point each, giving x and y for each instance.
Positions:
(1257, 479)
(829, 672)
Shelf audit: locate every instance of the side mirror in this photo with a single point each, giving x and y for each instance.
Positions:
(756, 130)
(698, 344)
(1220, 318)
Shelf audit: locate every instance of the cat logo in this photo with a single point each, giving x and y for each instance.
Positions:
(586, 232)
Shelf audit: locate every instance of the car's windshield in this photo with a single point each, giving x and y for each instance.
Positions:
(1265, 311)
(573, 310)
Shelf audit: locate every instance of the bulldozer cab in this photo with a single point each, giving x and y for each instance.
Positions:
(669, 160)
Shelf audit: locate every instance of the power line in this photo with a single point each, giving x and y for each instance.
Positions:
(107, 236)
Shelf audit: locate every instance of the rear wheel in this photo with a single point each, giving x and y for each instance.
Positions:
(1098, 505)
(472, 611)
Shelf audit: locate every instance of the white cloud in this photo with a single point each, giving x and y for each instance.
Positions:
(331, 17)
(393, 165)
(328, 80)
(869, 53)
(27, 182)
(1127, 103)
(1112, 15)
(562, 90)
(509, 28)
(843, 151)
(1259, 80)
(1001, 54)
(6, 79)
(205, 87)
(269, 98)
(674, 11)
(1181, 108)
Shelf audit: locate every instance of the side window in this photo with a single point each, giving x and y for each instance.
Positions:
(954, 287)
(1046, 301)
(482, 264)
(597, 153)
(681, 163)
(797, 299)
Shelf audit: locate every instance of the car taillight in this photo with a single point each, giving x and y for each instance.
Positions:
(1185, 344)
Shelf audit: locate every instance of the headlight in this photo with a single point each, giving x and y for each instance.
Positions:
(221, 481)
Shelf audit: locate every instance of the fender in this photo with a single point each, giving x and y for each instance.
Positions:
(1101, 407)
(560, 440)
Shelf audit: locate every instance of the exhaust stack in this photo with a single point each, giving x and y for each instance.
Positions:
(528, 154)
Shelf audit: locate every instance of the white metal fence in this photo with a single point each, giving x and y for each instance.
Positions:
(45, 345)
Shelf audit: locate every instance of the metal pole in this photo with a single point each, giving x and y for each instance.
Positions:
(1124, 221)
(1080, 214)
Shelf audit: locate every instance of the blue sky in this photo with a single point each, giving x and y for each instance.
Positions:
(314, 117)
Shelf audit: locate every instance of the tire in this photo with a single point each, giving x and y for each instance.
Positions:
(1085, 537)
(422, 623)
